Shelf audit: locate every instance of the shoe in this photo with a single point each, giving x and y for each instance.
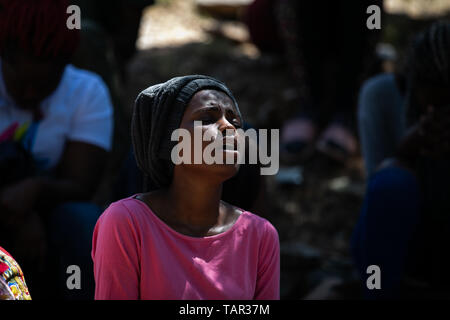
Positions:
(297, 140)
(338, 143)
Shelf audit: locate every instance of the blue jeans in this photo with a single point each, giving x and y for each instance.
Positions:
(70, 228)
(386, 227)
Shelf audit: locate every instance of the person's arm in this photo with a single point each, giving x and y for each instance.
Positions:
(85, 155)
(79, 174)
(115, 252)
(268, 277)
(81, 166)
(80, 171)
(388, 218)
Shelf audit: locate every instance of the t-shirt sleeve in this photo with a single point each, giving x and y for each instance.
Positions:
(93, 119)
(268, 276)
(115, 252)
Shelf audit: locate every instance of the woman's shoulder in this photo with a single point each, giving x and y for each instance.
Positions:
(85, 86)
(12, 284)
(259, 221)
(123, 210)
(82, 77)
(262, 231)
(261, 226)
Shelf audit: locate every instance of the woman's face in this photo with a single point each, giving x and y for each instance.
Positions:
(29, 80)
(219, 120)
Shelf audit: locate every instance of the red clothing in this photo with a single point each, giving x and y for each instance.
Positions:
(137, 256)
(12, 281)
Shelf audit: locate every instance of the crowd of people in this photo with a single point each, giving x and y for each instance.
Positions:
(190, 231)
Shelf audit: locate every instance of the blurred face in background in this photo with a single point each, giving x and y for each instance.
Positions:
(435, 96)
(29, 79)
(434, 104)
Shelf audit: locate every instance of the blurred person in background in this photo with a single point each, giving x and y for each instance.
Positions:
(381, 118)
(329, 50)
(56, 125)
(109, 30)
(404, 225)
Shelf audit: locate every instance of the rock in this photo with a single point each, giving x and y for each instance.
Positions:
(298, 260)
(300, 256)
(325, 290)
(290, 176)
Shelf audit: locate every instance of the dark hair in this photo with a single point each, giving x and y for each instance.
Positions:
(428, 67)
(428, 64)
(38, 27)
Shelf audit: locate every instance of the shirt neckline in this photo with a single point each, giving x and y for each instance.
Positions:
(178, 234)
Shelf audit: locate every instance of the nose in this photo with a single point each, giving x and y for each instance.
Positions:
(224, 124)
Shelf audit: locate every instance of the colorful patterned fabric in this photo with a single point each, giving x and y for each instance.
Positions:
(12, 281)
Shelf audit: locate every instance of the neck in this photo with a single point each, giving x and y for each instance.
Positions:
(195, 201)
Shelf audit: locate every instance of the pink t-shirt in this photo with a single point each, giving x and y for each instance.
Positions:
(138, 256)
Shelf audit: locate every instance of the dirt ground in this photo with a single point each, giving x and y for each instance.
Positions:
(314, 219)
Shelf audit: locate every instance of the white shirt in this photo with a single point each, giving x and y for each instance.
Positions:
(79, 109)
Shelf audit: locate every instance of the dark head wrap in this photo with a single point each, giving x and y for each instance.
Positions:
(158, 111)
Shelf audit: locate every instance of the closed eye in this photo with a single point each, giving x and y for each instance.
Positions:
(207, 120)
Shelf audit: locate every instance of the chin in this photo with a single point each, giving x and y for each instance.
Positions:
(228, 169)
(216, 172)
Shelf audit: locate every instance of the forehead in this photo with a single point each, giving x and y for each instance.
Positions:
(210, 97)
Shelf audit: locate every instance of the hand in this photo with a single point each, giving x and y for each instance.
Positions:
(17, 200)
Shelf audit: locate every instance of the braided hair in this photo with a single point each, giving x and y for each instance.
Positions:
(38, 27)
(428, 65)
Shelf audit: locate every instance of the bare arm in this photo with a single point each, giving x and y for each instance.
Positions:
(78, 175)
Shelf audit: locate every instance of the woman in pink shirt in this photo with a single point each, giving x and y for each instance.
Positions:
(180, 241)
